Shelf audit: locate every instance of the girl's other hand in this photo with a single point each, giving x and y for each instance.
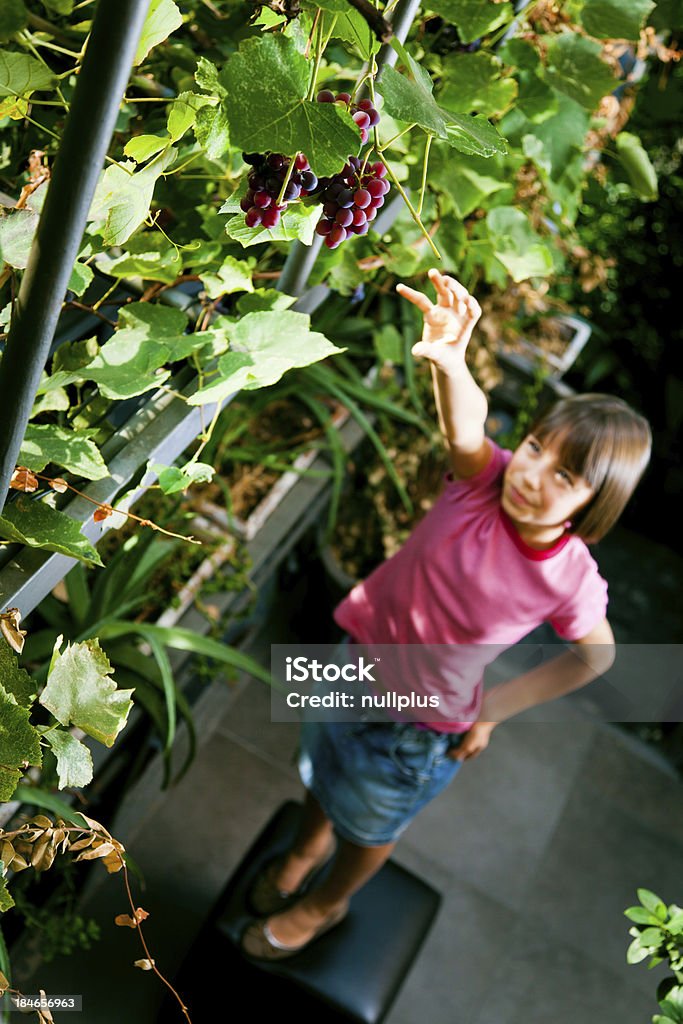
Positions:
(476, 740)
(448, 325)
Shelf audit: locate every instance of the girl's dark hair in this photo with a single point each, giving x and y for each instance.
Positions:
(605, 441)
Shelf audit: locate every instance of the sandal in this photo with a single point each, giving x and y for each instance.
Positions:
(259, 942)
(265, 898)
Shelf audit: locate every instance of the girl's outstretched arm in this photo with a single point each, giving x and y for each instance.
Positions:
(460, 402)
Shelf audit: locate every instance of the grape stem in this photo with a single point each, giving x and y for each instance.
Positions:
(425, 164)
(285, 183)
(413, 212)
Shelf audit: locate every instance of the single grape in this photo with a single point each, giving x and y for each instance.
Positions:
(345, 197)
(276, 161)
(343, 97)
(374, 117)
(370, 213)
(362, 119)
(309, 180)
(323, 227)
(362, 198)
(252, 158)
(325, 96)
(359, 216)
(379, 169)
(366, 104)
(271, 217)
(253, 217)
(247, 202)
(330, 209)
(300, 162)
(344, 217)
(375, 187)
(337, 234)
(262, 200)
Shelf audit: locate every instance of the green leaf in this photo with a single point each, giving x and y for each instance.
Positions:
(388, 342)
(635, 953)
(467, 180)
(6, 901)
(123, 198)
(37, 524)
(615, 19)
(80, 692)
(163, 17)
(163, 264)
(411, 101)
(520, 53)
(473, 134)
(263, 347)
(212, 131)
(653, 903)
(74, 760)
(651, 937)
(174, 478)
(516, 245)
(576, 69)
(148, 337)
(59, 6)
(13, 17)
(562, 134)
(263, 299)
(672, 1004)
(20, 75)
(183, 113)
(141, 147)
(474, 83)
(536, 99)
(16, 681)
(640, 916)
(19, 743)
(351, 26)
(50, 443)
(297, 222)
(473, 18)
(233, 276)
(37, 797)
(267, 82)
(81, 278)
(641, 175)
(207, 78)
(17, 229)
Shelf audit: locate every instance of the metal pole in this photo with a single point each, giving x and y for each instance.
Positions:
(301, 258)
(101, 83)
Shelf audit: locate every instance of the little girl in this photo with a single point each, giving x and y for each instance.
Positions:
(502, 551)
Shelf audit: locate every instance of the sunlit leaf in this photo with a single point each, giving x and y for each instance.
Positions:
(163, 17)
(74, 760)
(47, 443)
(34, 523)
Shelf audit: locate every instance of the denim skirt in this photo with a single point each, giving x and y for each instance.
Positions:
(372, 778)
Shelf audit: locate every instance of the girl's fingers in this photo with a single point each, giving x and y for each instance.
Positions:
(417, 298)
(448, 286)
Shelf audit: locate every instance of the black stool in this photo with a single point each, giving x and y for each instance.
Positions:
(351, 974)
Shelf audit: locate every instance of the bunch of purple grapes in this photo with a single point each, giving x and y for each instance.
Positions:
(363, 113)
(269, 170)
(351, 200)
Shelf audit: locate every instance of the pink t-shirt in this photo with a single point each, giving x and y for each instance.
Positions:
(465, 576)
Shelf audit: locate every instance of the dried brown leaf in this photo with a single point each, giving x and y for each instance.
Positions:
(23, 479)
(58, 484)
(144, 965)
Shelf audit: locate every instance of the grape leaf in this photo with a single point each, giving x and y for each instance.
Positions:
(17, 229)
(412, 101)
(474, 83)
(148, 336)
(80, 692)
(233, 276)
(81, 277)
(351, 26)
(142, 147)
(122, 198)
(13, 17)
(16, 680)
(50, 443)
(467, 180)
(263, 299)
(207, 78)
(6, 901)
(473, 18)
(183, 113)
(74, 760)
(576, 69)
(59, 6)
(297, 222)
(164, 264)
(20, 75)
(175, 478)
(212, 131)
(266, 83)
(163, 17)
(614, 19)
(19, 743)
(516, 245)
(37, 524)
(263, 347)
(473, 135)
(641, 175)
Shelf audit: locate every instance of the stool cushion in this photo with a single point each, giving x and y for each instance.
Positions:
(355, 970)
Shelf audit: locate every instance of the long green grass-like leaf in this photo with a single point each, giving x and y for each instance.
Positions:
(336, 452)
(76, 583)
(374, 437)
(127, 574)
(5, 965)
(185, 640)
(144, 674)
(48, 801)
(161, 658)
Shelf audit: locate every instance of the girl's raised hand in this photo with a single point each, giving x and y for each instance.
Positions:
(448, 325)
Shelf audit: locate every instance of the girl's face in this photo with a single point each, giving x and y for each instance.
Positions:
(539, 493)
